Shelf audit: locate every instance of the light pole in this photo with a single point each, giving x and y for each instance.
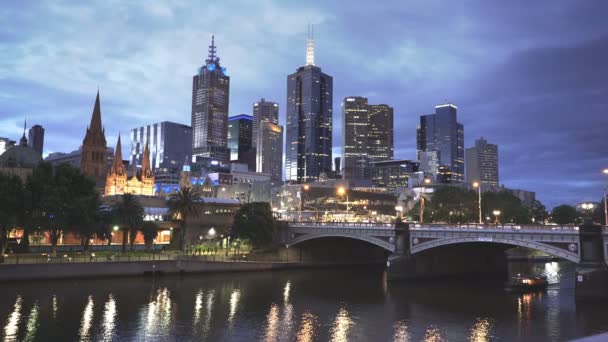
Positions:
(605, 171)
(424, 182)
(496, 214)
(341, 192)
(399, 210)
(478, 186)
(303, 188)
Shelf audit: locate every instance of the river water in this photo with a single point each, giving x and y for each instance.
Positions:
(354, 304)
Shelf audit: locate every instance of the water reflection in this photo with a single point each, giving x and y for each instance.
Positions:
(552, 272)
(433, 334)
(87, 318)
(12, 323)
(341, 326)
(32, 323)
(109, 319)
(286, 292)
(198, 305)
(401, 332)
(272, 323)
(306, 333)
(481, 331)
(158, 315)
(55, 306)
(234, 302)
(209, 309)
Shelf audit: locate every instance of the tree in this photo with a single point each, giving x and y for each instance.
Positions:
(254, 222)
(105, 224)
(183, 207)
(538, 212)
(510, 207)
(149, 230)
(11, 205)
(452, 204)
(564, 214)
(130, 215)
(61, 199)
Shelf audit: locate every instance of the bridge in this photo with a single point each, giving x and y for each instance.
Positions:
(559, 241)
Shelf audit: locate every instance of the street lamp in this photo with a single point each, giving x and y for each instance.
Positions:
(341, 192)
(211, 232)
(399, 210)
(496, 214)
(304, 187)
(426, 181)
(605, 171)
(115, 228)
(478, 186)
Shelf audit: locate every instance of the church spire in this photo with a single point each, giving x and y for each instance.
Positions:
(117, 166)
(23, 141)
(145, 163)
(96, 117)
(310, 46)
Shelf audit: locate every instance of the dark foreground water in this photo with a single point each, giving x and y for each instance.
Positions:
(305, 305)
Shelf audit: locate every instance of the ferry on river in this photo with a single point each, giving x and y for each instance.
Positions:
(521, 283)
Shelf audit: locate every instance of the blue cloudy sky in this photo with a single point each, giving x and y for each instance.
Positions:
(531, 76)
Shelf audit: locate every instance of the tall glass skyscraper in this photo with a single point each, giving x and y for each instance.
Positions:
(309, 121)
(239, 140)
(264, 111)
(442, 133)
(169, 145)
(210, 96)
(482, 163)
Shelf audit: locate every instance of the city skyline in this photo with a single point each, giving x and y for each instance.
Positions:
(562, 135)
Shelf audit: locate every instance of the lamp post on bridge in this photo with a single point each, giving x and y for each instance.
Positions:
(303, 188)
(478, 186)
(341, 192)
(496, 215)
(605, 171)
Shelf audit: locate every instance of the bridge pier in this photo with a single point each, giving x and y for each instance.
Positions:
(591, 273)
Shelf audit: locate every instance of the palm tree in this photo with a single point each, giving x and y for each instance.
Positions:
(130, 214)
(183, 207)
(149, 230)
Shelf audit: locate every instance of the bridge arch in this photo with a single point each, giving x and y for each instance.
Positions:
(366, 238)
(552, 250)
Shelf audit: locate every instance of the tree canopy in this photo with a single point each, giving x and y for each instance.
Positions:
(254, 222)
(564, 214)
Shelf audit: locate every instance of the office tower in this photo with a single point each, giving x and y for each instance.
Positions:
(482, 163)
(380, 136)
(442, 133)
(393, 174)
(36, 138)
(338, 166)
(264, 111)
(367, 134)
(239, 140)
(355, 135)
(210, 96)
(93, 157)
(309, 121)
(269, 148)
(170, 144)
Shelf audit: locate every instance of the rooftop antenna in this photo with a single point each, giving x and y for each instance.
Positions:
(310, 46)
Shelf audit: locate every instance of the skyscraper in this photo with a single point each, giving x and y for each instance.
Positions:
(210, 96)
(170, 144)
(269, 148)
(263, 110)
(482, 163)
(36, 138)
(367, 135)
(309, 121)
(355, 135)
(239, 140)
(94, 150)
(441, 132)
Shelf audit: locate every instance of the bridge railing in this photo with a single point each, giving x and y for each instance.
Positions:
(366, 225)
(508, 227)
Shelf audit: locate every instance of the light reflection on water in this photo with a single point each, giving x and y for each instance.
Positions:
(87, 319)
(290, 306)
(12, 324)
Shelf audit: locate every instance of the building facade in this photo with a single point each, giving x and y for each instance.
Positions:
(269, 151)
(94, 148)
(367, 136)
(264, 111)
(210, 98)
(442, 133)
(118, 182)
(482, 163)
(393, 174)
(240, 140)
(75, 157)
(308, 151)
(36, 138)
(170, 144)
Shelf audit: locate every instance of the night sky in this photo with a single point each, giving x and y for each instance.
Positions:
(531, 76)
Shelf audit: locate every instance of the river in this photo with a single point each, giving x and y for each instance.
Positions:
(353, 304)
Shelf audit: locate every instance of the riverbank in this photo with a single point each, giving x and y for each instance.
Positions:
(184, 265)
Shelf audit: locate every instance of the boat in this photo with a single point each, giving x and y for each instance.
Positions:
(521, 283)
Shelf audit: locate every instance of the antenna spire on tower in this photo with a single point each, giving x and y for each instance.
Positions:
(310, 46)
(212, 49)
